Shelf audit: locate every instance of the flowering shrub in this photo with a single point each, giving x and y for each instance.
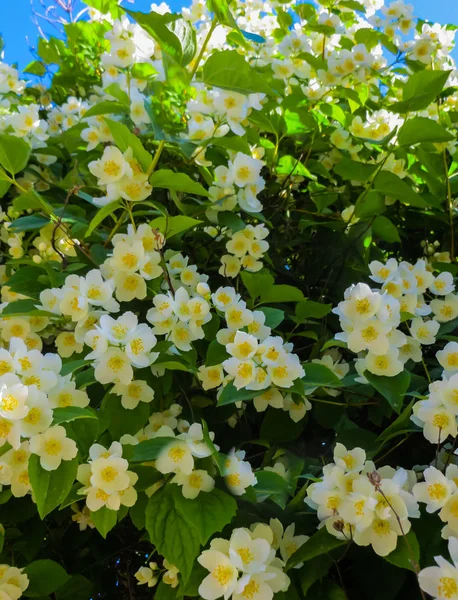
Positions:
(228, 362)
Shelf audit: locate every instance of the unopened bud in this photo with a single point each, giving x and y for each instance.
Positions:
(374, 478)
(339, 525)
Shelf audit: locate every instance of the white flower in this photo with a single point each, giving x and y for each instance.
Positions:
(194, 483)
(222, 578)
(424, 331)
(53, 446)
(110, 474)
(448, 357)
(111, 167)
(176, 457)
(435, 490)
(246, 170)
(442, 581)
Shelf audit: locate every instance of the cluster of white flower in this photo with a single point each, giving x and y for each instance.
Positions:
(354, 501)
(62, 118)
(13, 582)
(238, 183)
(247, 566)
(246, 247)
(372, 320)
(50, 239)
(147, 575)
(120, 175)
(25, 122)
(9, 79)
(106, 479)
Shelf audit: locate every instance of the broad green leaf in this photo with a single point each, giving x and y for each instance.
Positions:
(106, 108)
(383, 228)
(290, 166)
(71, 413)
(25, 307)
(257, 283)
(421, 129)
(228, 70)
(179, 182)
(319, 543)
(101, 215)
(77, 587)
(391, 388)
(36, 67)
(317, 375)
(406, 551)
(104, 520)
(73, 365)
(4, 185)
(353, 170)
(121, 420)
(26, 281)
(274, 316)
(14, 153)
(45, 577)
(282, 293)
(209, 513)
(420, 90)
(115, 90)
(124, 139)
(372, 203)
(316, 569)
(310, 309)
(171, 226)
(173, 536)
(390, 184)
(150, 449)
(28, 223)
(231, 394)
(299, 121)
(51, 487)
(165, 592)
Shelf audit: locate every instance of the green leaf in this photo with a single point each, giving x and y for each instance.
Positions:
(28, 223)
(271, 485)
(173, 536)
(77, 587)
(391, 388)
(115, 90)
(299, 121)
(383, 228)
(405, 552)
(4, 184)
(106, 108)
(71, 413)
(320, 543)
(257, 283)
(231, 394)
(372, 203)
(36, 67)
(288, 165)
(24, 307)
(150, 449)
(26, 281)
(101, 215)
(165, 592)
(317, 375)
(104, 520)
(310, 309)
(421, 129)
(73, 365)
(353, 170)
(175, 35)
(421, 90)
(121, 420)
(282, 293)
(316, 569)
(179, 182)
(14, 153)
(228, 70)
(171, 226)
(221, 10)
(390, 184)
(274, 316)
(45, 577)
(51, 487)
(208, 513)
(124, 139)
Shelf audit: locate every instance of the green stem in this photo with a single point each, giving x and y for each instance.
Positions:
(204, 47)
(156, 157)
(450, 207)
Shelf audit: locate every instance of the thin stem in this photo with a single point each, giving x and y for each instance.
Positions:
(426, 370)
(156, 157)
(392, 449)
(204, 47)
(118, 224)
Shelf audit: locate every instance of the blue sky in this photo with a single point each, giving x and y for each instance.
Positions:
(19, 32)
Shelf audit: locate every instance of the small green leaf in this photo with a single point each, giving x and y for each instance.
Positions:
(228, 70)
(14, 153)
(231, 394)
(257, 283)
(309, 309)
(101, 215)
(317, 375)
(36, 67)
(420, 90)
(171, 226)
(179, 182)
(104, 520)
(320, 543)
(274, 316)
(383, 228)
(390, 184)
(106, 108)
(282, 293)
(124, 139)
(391, 388)
(71, 413)
(51, 487)
(150, 449)
(28, 223)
